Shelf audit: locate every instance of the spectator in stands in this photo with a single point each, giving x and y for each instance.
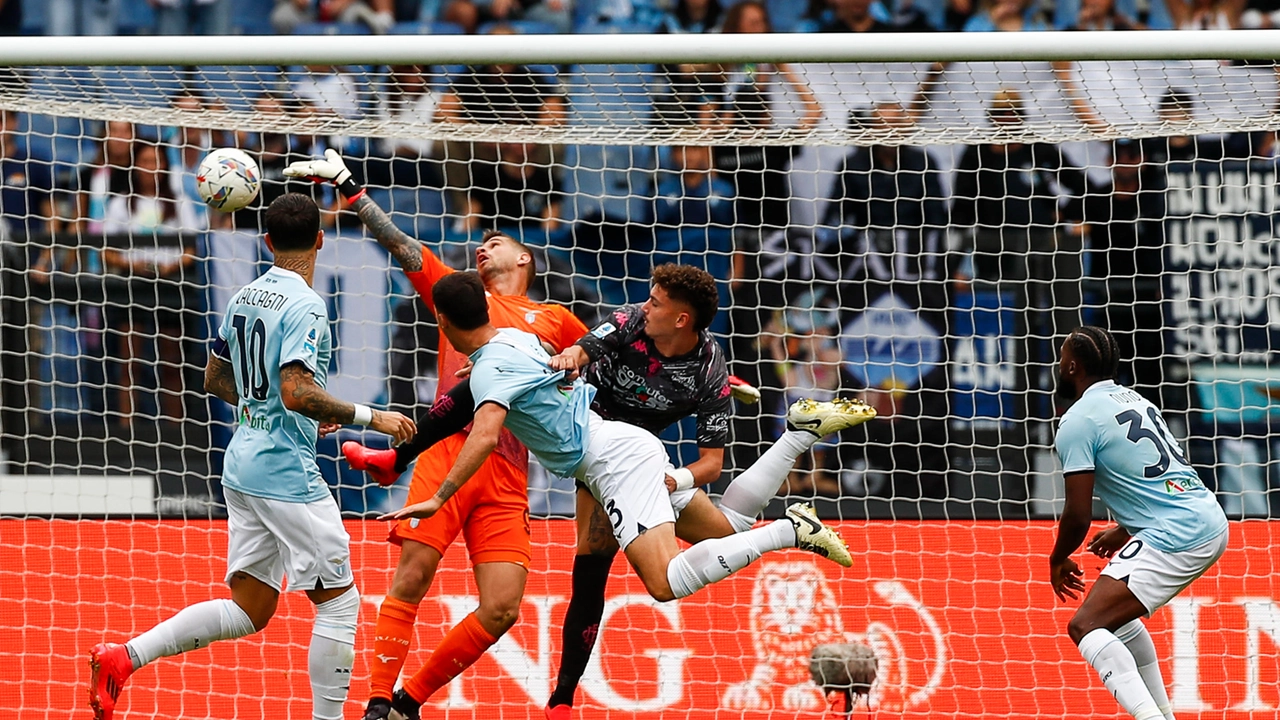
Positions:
(330, 90)
(890, 214)
(692, 16)
(192, 17)
(851, 16)
(1020, 203)
(1205, 14)
(154, 310)
(26, 184)
(471, 14)
(693, 212)
(1125, 229)
(1007, 16)
(1260, 15)
(377, 15)
(81, 17)
(883, 190)
(406, 161)
(1103, 15)
(801, 348)
(761, 174)
(186, 147)
(10, 17)
(490, 95)
(514, 192)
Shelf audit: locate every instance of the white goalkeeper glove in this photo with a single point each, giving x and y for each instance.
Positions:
(330, 169)
(743, 391)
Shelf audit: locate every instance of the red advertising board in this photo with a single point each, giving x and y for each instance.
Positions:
(959, 615)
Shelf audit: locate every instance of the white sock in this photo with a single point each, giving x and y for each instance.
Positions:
(1135, 636)
(714, 560)
(1119, 672)
(754, 487)
(193, 627)
(332, 653)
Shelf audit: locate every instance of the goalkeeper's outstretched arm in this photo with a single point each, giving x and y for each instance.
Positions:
(406, 250)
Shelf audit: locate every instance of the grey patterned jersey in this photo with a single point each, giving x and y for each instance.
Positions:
(638, 386)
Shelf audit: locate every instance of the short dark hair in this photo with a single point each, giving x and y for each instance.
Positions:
(460, 297)
(293, 222)
(1096, 351)
(530, 270)
(692, 286)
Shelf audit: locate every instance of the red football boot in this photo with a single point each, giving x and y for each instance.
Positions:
(111, 667)
(381, 464)
(559, 712)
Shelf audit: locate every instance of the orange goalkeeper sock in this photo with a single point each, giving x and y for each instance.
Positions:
(460, 648)
(392, 635)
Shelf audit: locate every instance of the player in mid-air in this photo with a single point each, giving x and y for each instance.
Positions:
(493, 512)
(623, 466)
(270, 361)
(1170, 528)
(652, 365)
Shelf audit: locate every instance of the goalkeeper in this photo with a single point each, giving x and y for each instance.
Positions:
(492, 513)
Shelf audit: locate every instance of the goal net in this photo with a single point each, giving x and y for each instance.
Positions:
(917, 221)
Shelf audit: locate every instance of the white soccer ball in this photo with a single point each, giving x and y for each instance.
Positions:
(228, 179)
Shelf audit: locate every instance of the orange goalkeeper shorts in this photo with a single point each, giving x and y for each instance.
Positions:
(491, 510)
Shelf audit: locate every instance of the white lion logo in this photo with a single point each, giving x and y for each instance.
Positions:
(793, 609)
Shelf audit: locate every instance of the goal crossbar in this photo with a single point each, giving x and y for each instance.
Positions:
(627, 48)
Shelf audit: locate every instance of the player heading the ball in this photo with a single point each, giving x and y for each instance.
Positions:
(623, 466)
(270, 361)
(1171, 529)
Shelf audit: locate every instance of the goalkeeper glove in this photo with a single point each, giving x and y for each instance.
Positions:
(330, 169)
(743, 391)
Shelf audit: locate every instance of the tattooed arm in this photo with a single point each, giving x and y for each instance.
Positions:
(220, 380)
(406, 250)
(481, 441)
(300, 393)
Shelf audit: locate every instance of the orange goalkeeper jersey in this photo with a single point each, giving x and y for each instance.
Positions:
(554, 324)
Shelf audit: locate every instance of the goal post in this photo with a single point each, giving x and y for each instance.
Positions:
(915, 220)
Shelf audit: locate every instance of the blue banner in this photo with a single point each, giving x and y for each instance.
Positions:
(985, 357)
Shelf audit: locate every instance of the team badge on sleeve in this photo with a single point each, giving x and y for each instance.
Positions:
(310, 344)
(603, 330)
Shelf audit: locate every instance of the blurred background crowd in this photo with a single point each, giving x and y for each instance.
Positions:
(934, 282)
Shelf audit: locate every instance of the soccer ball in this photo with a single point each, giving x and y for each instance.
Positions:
(228, 179)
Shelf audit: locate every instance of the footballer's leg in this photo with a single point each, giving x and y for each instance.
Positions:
(255, 574)
(595, 553)
(422, 545)
(808, 422)
(450, 414)
(498, 539)
(1110, 607)
(501, 588)
(251, 605)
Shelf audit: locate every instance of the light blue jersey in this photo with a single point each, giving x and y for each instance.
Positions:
(272, 322)
(1140, 473)
(547, 414)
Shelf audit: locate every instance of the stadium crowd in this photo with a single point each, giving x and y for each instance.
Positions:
(925, 228)
(255, 17)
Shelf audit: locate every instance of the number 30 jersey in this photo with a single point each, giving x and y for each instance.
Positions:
(274, 321)
(1140, 472)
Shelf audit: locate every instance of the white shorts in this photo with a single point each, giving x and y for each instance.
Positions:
(269, 539)
(1155, 577)
(625, 469)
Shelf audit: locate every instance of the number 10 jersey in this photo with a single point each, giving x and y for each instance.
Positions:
(274, 321)
(1140, 472)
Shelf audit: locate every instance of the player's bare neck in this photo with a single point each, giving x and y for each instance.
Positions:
(469, 341)
(682, 343)
(506, 284)
(303, 264)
